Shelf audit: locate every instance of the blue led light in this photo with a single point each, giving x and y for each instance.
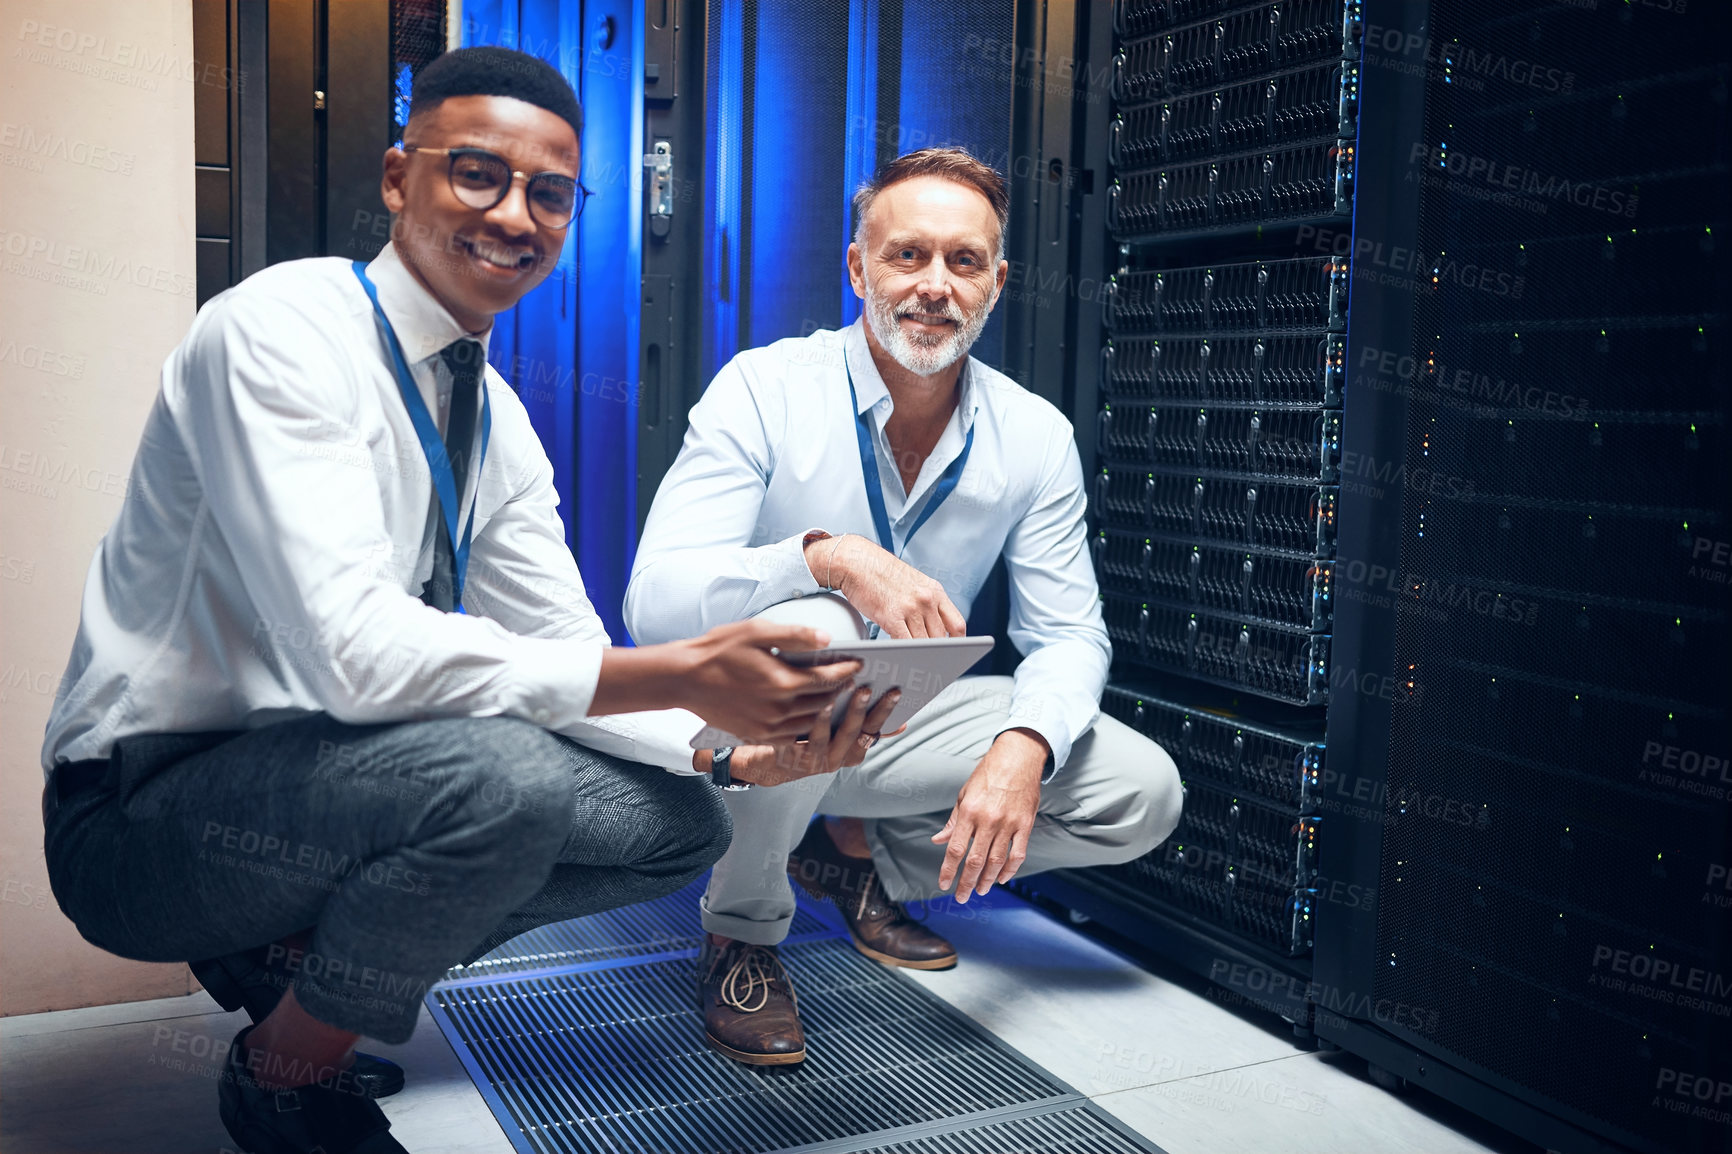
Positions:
(400, 102)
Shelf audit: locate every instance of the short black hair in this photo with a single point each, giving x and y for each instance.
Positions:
(494, 71)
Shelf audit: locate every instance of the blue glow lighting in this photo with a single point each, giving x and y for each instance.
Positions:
(569, 348)
(803, 103)
(400, 101)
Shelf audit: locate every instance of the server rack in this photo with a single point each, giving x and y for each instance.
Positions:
(1238, 860)
(1467, 525)
(1218, 440)
(1547, 890)
(1395, 608)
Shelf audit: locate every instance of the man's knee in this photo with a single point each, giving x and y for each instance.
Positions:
(498, 772)
(1161, 798)
(708, 829)
(1141, 807)
(679, 824)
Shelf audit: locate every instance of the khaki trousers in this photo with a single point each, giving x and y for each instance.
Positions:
(1116, 798)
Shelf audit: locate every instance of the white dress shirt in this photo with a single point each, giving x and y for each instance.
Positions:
(269, 558)
(772, 453)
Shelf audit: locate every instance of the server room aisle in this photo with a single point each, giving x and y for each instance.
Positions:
(1159, 1049)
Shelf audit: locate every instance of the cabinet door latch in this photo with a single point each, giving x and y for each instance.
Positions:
(660, 162)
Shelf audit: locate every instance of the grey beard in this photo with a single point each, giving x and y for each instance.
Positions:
(924, 356)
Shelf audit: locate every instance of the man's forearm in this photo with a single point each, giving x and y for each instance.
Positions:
(903, 601)
(642, 679)
(648, 677)
(837, 562)
(683, 592)
(821, 555)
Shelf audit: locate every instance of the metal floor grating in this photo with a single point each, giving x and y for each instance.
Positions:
(1082, 1128)
(606, 1054)
(657, 927)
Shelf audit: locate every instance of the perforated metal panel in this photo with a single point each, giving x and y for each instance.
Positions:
(417, 37)
(1244, 854)
(614, 1058)
(1079, 1129)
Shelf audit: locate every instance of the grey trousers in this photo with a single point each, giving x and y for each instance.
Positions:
(406, 849)
(1116, 798)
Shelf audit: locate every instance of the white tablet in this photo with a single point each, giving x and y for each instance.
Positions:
(919, 666)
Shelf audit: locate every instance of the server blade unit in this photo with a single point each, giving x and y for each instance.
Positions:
(1244, 855)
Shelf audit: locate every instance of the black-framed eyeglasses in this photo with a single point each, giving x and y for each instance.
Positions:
(481, 179)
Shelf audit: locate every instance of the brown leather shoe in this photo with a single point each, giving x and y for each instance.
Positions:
(750, 1012)
(881, 928)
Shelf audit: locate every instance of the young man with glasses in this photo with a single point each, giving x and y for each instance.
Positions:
(339, 715)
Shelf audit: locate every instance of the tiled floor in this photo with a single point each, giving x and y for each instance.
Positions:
(1149, 1043)
(1153, 1045)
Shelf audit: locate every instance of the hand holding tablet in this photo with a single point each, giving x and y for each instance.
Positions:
(921, 667)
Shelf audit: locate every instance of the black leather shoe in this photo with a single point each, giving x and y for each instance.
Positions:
(323, 1118)
(243, 979)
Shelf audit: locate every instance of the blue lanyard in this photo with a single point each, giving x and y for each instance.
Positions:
(433, 445)
(875, 490)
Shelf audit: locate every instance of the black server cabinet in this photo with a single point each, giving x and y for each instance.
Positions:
(1544, 485)
(296, 102)
(1231, 147)
(1410, 512)
(1404, 400)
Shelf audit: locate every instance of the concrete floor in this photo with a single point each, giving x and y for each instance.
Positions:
(1152, 1044)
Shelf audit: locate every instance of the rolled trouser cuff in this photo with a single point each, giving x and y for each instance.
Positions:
(769, 932)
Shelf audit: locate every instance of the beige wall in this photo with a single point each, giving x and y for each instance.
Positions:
(96, 286)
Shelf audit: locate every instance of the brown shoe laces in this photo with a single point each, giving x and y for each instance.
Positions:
(754, 972)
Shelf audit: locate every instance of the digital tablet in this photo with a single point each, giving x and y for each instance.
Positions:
(919, 666)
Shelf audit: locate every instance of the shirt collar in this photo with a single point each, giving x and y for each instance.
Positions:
(422, 324)
(869, 387)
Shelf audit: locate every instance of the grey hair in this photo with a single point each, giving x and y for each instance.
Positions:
(955, 164)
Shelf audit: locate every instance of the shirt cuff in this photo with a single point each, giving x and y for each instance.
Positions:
(556, 678)
(1030, 715)
(805, 581)
(658, 737)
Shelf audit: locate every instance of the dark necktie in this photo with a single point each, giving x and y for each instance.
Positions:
(464, 359)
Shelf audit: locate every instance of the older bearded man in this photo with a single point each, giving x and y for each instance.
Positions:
(882, 462)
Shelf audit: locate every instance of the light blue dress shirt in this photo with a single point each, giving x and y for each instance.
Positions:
(772, 454)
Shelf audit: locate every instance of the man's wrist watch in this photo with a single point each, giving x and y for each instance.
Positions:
(720, 776)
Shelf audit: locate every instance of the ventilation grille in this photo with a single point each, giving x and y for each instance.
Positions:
(1080, 1129)
(612, 1058)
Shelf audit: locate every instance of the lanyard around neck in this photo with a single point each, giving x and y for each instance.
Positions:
(875, 489)
(433, 445)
